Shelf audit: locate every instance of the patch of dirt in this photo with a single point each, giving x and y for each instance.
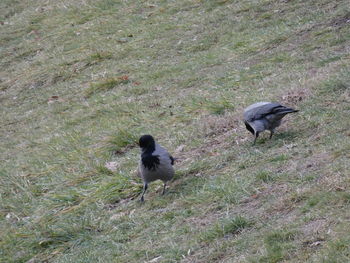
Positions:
(120, 214)
(295, 95)
(315, 227)
(335, 182)
(213, 125)
(112, 166)
(312, 163)
(216, 131)
(275, 197)
(201, 222)
(252, 206)
(340, 22)
(279, 203)
(314, 233)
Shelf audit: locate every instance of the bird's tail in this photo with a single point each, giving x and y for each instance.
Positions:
(284, 110)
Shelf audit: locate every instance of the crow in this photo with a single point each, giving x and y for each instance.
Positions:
(155, 163)
(262, 116)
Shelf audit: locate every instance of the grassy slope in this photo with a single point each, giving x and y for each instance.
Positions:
(191, 67)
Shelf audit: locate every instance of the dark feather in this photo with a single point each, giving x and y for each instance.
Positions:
(172, 160)
(249, 128)
(273, 108)
(265, 110)
(151, 162)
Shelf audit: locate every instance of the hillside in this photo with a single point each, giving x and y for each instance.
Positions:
(81, 80)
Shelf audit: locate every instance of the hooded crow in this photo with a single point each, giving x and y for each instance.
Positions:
(262, 116)
(155, 163)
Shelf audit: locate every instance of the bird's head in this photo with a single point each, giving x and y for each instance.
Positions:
(249, 127)
(146, 142)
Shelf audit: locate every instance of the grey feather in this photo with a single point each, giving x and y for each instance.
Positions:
(155, 163)
(262, 116)
(164, 171)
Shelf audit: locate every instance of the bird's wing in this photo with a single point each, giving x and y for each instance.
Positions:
(262, 111)
(163, 153)
(256, 105)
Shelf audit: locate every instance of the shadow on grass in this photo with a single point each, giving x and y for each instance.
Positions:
(278, 138)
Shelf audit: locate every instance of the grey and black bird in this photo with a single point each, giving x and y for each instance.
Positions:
(155, 163)
(262, 116)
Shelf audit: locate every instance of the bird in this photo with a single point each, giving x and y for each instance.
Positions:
(155, 163)
(262, 116)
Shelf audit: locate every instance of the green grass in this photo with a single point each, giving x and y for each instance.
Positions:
(226, 227)
(277, 243)
(121, 140)
(105, 85)
(80, 81)
(264, 176)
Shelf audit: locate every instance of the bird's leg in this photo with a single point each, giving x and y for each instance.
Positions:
(164, 188)
(256, 136)
(145, 186)
(271, 133)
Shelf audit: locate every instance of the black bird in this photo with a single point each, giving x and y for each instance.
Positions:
(262, 116)
(155, 163)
